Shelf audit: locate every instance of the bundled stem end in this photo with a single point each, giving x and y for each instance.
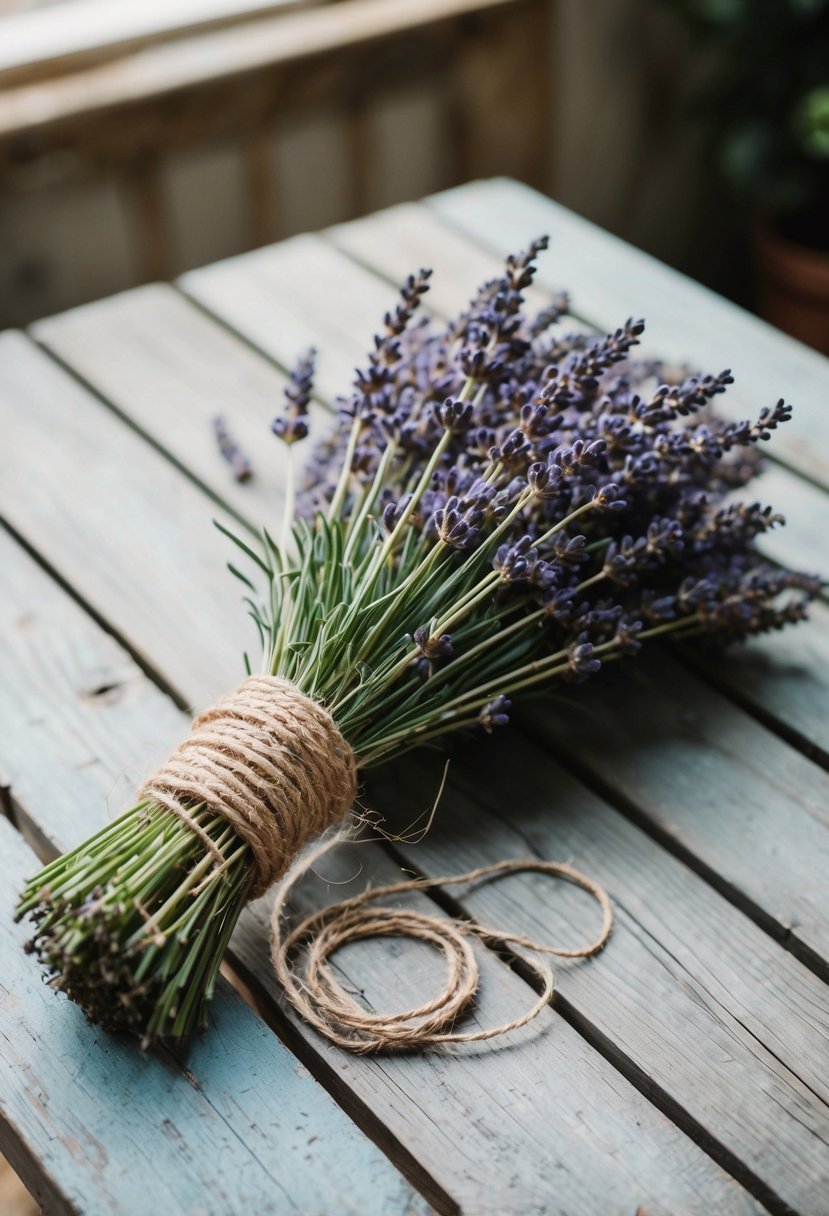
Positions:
(133, 923)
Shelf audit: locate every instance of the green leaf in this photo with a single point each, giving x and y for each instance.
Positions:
(246, 549)
(243, 578)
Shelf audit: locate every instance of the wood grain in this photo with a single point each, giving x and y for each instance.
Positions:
(132, 516)
(512, 1133)
(742, 806)
(394, 242)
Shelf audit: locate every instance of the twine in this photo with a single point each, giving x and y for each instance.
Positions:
(313, 989)
(272, 762)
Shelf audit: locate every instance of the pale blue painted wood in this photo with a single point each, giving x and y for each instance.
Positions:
(95, 1127)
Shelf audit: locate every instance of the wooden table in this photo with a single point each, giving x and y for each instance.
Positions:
(684, 1071)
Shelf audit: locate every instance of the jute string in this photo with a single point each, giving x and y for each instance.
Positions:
(272, 762)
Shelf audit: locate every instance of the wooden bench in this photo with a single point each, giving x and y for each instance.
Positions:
(686, 1071)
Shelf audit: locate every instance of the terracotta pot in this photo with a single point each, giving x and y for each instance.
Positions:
(794, 286)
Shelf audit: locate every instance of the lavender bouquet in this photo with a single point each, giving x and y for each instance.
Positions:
(505, 504)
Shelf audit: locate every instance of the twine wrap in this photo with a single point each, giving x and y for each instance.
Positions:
(270, 761)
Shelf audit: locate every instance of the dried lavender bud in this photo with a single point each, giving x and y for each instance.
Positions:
(433, 647)
(518, 562)
(692, 394)
(627, 635)
(543, 479)
(495, 714)
(455, 416)
(581, 662)
(239, 464)
(457, 527)
(607, 499)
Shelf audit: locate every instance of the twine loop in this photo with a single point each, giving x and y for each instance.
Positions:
(272, 762)
(315, 992)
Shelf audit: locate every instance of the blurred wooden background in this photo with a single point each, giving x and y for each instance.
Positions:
(113, 176)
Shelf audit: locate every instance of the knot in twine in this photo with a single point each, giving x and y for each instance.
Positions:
(317, 995)
(270, 761)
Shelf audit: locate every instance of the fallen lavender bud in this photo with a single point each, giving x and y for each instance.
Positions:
(240, 466)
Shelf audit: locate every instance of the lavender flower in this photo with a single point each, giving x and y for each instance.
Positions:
(293, 426)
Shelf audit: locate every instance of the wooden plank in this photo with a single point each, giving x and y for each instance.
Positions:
(92, 1125)
(691, 993)
(739, 804)
(610, 280)
(802, 542)
(101, 506)
(297, 294)
(171, 371)
(602, 1141)
(400, 239)
(781, 679)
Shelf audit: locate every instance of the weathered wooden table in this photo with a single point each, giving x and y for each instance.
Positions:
(684, 1071)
